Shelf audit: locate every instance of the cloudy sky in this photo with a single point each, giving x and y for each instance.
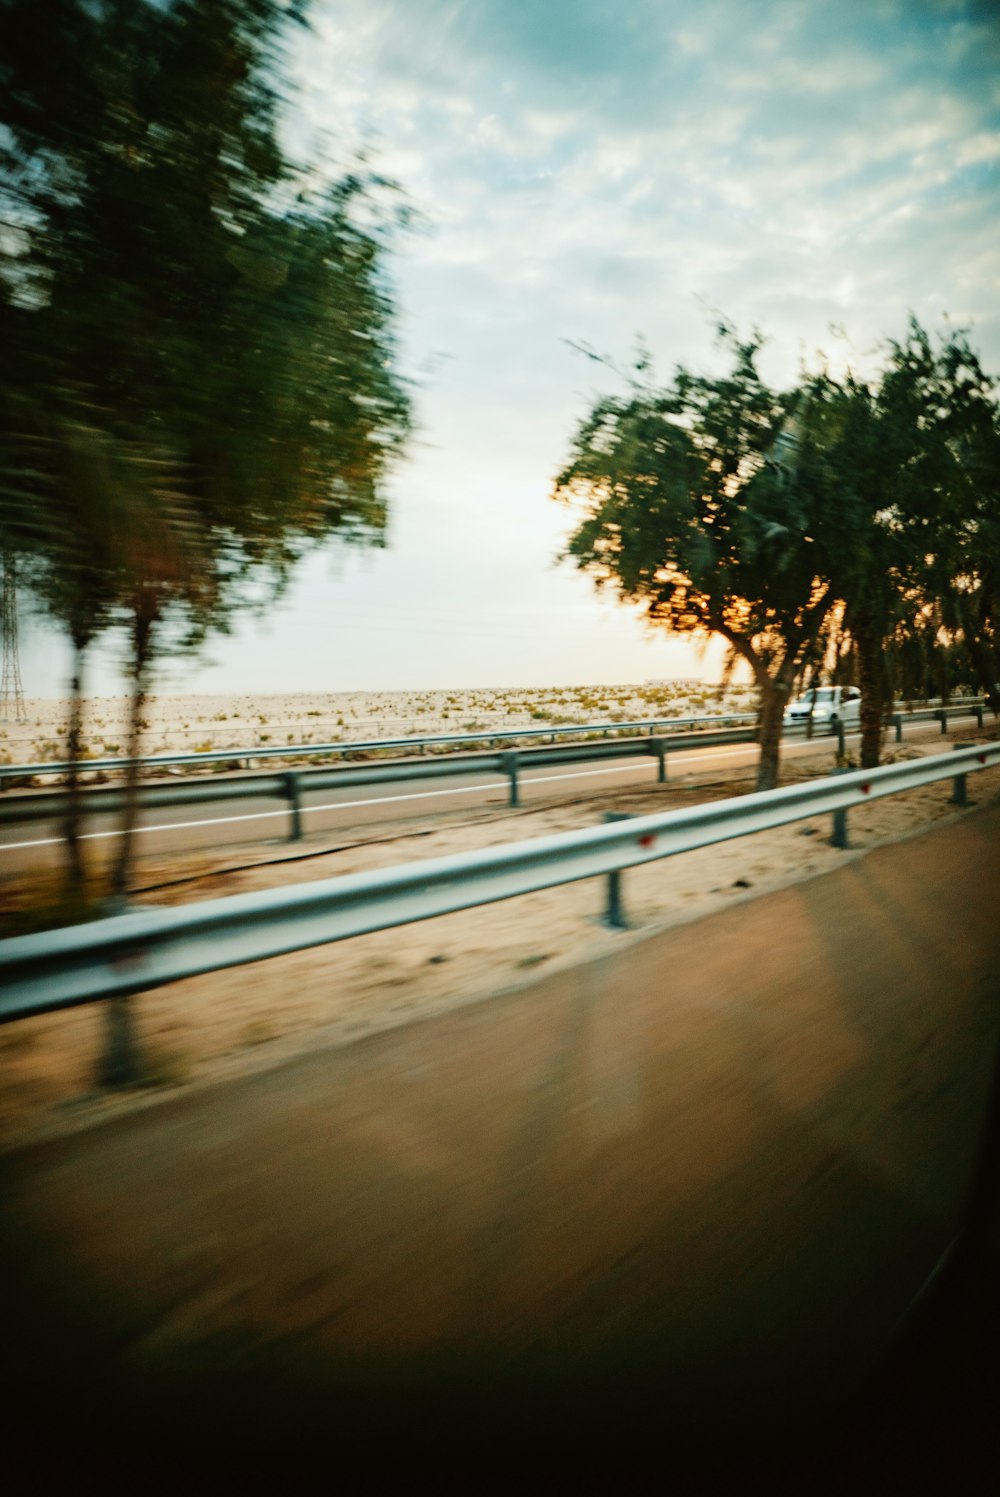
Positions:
(595, 171)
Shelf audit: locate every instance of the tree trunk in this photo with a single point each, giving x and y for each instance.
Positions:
(122, 1063)
(773, 699)
(142, 635)
(987, 670)
(774, 694)
(75, 872)
(943, 679)
(871, 679)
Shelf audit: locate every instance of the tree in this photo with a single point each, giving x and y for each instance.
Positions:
(971, 624)
(225, 331)
(914, 455)
(708, 502)
(62, 502)
(847, 524)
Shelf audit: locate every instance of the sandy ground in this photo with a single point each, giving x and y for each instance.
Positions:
(252, 1017)
(200, 723)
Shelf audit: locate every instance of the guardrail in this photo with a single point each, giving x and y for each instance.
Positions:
(962, 707)
(308, 750)
(291, 786)
(937, 714)
(9, 772)
(143, 949)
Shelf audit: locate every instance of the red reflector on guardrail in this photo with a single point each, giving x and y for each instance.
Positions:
(648, 840)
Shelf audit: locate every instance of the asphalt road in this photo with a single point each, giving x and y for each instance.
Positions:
(353, 810)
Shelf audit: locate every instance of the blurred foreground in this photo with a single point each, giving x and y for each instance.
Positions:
(675, 1199)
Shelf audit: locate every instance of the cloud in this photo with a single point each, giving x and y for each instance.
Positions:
(593, 169)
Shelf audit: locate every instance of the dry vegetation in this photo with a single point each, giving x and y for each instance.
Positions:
(202, 723)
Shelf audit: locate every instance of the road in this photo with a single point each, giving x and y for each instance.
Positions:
(678, 1196)
(37, 846)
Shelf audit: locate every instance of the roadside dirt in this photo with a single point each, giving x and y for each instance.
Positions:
(661, 1209)
(247, 1019)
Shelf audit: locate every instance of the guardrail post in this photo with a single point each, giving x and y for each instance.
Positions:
(809, 726)
(897, 722)
(614, 914)
(942, 716)
(839, 837)
(293, 795)
(841, 741)
(121, 1063)
(509, 761)
(659, 749)
(959, 792)
(979, 717)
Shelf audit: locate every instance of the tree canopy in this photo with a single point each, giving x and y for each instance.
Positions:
(197, 353)
(691, 509)
(173, 276)
(792, 522)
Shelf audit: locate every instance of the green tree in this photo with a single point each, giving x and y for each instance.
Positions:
(913, 456)
(971, 624)
(847, 525)
(226, 331)
(707, 502)
(63, 499)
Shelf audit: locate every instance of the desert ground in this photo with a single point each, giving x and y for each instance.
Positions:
(193, 724)
(228, 1023)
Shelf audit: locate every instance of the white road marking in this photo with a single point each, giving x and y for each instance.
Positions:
(382, 800)
(180, 826)
(715, 753)
(333, 806)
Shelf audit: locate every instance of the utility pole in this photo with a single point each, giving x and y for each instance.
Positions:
(11, 690)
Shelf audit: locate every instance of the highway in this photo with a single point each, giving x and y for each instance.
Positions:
(359, 810)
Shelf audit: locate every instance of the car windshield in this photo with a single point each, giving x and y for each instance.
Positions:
(821, 694)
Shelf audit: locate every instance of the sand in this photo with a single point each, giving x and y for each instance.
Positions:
(200, 1032)
(200, 723)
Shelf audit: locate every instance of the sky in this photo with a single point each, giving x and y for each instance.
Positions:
(600, 172)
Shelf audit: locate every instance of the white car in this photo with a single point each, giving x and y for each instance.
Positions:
(828, 705)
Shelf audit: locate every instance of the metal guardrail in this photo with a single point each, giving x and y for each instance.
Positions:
(144, 949)
(937, 714)
(973, 707)
(291, 786)
(10, 772)
(308, 750)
